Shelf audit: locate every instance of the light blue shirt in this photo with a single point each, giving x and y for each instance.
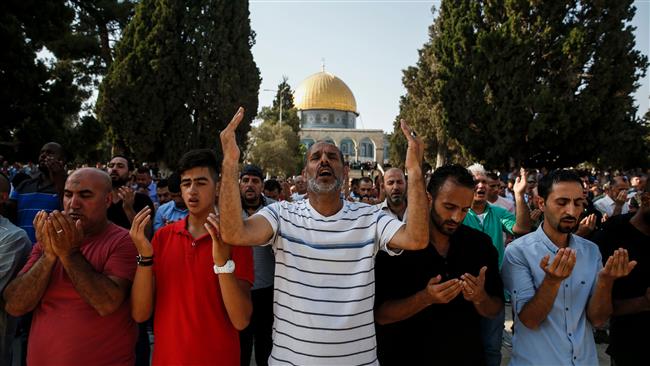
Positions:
(565, 337)
(168, 213)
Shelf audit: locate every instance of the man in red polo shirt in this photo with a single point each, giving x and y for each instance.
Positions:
(202, 287)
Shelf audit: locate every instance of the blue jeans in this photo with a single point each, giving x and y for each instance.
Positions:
(492, 334)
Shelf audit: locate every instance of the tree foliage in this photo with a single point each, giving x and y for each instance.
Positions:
(284, 96)
(180, 72)
(47, 73)
(273, 146)
(534, 83)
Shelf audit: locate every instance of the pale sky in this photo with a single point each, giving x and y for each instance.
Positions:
(365, 43)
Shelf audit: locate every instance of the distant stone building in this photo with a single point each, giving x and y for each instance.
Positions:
(328, 111)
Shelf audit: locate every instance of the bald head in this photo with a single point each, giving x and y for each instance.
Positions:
(86, 197)
(92, 175)
(395, 187)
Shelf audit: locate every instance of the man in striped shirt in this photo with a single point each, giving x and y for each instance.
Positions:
(325, 251)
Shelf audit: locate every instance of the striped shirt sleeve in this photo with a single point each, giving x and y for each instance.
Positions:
(387, 227)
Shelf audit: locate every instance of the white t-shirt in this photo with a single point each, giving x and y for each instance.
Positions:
(325, 282)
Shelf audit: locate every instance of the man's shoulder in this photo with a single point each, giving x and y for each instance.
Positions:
(30, 185)
(499, 211)
(11, 235)
(165, 207)
(523, 243)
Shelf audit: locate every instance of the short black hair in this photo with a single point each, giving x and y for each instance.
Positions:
(143, 170)
(545, 185)
(272, 185)
(457, 173)
(128, 161)
(492, 175)
(200, 158)
(354, 182)
(366, 180)
(174, 183)
(162, 183)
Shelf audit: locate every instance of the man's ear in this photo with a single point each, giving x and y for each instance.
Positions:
(430, 199)
(108, 199)
(541, 203)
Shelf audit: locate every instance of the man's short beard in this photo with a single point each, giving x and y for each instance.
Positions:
(120, 182)
(316, 187)
(396, 201)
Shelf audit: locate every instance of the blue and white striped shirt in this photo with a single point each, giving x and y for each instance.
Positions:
(325, 282)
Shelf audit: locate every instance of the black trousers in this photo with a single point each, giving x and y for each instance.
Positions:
(259, 330)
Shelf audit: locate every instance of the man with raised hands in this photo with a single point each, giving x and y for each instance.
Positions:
(324, 249)
(557, 282)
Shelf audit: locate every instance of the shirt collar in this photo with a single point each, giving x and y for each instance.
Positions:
(544, 239)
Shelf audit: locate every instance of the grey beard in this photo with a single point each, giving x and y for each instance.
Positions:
(324, 188)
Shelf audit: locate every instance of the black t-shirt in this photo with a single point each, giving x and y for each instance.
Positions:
(441, 334)
(628, 333)
(117, 215)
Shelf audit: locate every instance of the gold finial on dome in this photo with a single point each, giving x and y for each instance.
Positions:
(323, 90)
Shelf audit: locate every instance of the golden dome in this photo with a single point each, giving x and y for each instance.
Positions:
(324, 91)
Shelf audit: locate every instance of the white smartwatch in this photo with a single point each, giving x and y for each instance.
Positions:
(228, 267)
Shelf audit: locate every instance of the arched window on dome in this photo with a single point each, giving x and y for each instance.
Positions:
(347, 147)
(366, 150)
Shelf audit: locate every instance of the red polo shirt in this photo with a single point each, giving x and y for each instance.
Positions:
(191, 325)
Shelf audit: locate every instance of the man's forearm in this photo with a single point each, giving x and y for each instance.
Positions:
(490, 307)
(537, 309)
(130, 213)
(99, 291)
(237, 300)
(600, 305)
(24, 293)
(418, 215)
(142, 294)
(392, 311)
(522, 216)
(231, 222)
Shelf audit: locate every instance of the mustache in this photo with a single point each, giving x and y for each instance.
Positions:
(568, 217)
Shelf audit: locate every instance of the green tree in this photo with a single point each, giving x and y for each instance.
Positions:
(180, 72)
(273, 147)
(421, 107)
(49, 72)
(540, 84)
(284, 96)
(37, 97)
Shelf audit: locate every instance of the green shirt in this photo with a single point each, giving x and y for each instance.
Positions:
(497, 220)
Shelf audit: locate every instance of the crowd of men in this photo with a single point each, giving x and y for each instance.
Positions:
(223, 265)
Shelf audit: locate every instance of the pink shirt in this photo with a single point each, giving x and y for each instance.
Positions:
(65, 329)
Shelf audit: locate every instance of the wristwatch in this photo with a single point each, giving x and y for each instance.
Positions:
(228, 267)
